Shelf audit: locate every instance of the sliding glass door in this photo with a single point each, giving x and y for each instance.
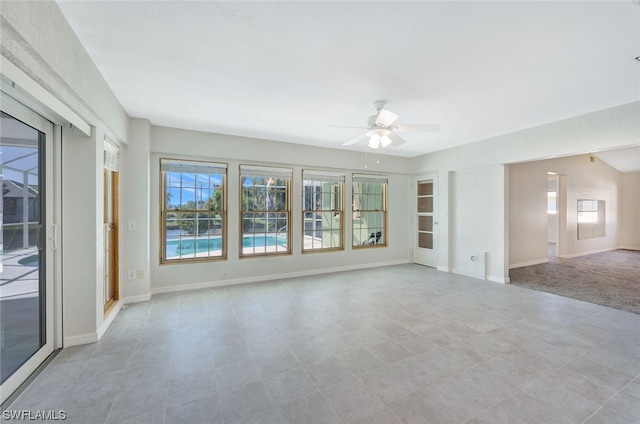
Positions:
(26, 244)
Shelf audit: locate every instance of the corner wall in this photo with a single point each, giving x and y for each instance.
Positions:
(612, 128)
(528, 207)
(36, 38)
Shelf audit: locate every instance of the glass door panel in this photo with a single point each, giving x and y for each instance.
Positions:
(425, 214)
(26, 247)
(22, 332)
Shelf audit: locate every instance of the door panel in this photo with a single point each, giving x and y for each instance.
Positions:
(425, 221)
(26, 244)
(110, 226)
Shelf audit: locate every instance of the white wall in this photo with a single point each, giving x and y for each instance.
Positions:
(37, 39)
(528, 219)
(81, 237)
(135, 192)
(182, 144)
(477, 220)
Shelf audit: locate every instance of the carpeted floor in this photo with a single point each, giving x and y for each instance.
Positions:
(610, 278)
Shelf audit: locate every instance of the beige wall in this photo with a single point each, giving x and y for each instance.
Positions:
(528, 224)
(630, 210)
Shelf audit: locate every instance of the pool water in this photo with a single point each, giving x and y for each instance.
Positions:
(184, 247)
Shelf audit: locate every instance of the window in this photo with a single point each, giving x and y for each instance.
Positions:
(369, 210)
(265, 211)
(322, 211)
(591, 219)
(587, 211)
(193, 212)
(552, 202)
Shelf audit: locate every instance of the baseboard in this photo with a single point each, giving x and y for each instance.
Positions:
(470, 274)
(271, 277)
(592, 252)
(464, 273)
(529, 263)
(501, 280)
(628, 248)
(137, 299)
(108, 320)
(443, 268)
(80, 339)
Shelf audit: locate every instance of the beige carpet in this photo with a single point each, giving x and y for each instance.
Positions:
(610, 278)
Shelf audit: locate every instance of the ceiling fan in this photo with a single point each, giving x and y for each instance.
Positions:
(381, 133)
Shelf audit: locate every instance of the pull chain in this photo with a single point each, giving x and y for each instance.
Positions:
(366, 156)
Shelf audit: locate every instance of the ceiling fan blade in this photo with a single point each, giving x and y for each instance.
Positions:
(354, 140)
(385, 118)
(396, 140)
(419, 128)
(342, 126)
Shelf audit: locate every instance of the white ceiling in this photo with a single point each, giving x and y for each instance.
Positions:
(624, 160)
(287, 71)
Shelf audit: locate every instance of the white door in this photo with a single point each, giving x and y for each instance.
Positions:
(27, 243)
(425, 222)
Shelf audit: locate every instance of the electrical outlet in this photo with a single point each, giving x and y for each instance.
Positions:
(139, 274)
(131, 274)
(224, 275)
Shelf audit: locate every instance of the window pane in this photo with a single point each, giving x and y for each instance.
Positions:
(425, 223)
(196, 231)
(321, 202)
(425, 240)
(425, 189)
(425, 204)
(265, 212)
(369, 207)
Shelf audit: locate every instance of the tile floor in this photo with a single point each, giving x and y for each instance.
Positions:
(401, 344)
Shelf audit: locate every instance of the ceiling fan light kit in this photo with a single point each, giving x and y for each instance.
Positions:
(381, 133)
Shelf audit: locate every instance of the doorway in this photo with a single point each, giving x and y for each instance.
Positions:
(110, 225)
(552, 214)
(28, 244)
(426, 223)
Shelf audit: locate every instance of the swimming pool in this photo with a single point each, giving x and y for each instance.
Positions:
(188, 247)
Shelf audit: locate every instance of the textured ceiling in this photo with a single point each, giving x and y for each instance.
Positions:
(288, 71)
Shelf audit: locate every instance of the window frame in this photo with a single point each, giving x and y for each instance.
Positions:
(329, 177)
(164, 210)
(385, 210)
(264, 170)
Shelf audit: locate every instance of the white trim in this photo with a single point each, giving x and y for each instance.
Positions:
(500, 280)
(80, 339)
(265, 171)
(443, 268)
(257, 279)
(575, 255)
(529, 263)
(315, 175)
(23, 88)
(137, 299)
(108, 320)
